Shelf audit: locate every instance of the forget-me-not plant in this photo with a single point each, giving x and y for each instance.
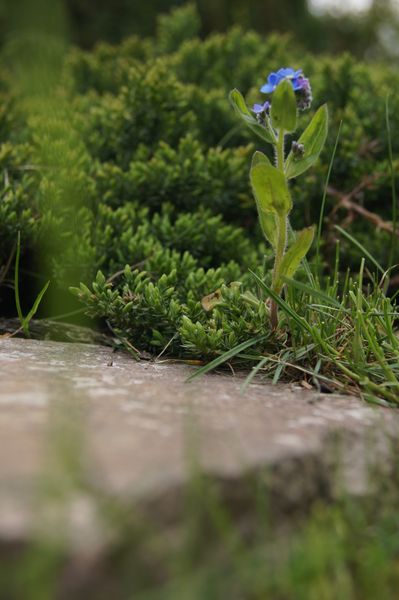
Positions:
(288, 91)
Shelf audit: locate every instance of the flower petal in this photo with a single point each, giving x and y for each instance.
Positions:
(273, 79)
(258, 109)
(296, 84)
(286, 72)
(298, 81)
(267, 88)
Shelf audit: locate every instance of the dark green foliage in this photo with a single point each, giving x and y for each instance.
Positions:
(145, 164)
(160, 304)
(236, 59)
(370, 33)
(17, 212)
(153, 106)
(14, 216)
(188, 176)
(175, 28)
(128, 235)
(106, 68)
(114, 20)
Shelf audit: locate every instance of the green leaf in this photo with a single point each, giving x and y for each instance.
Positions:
(258, 158)
(326, 299)
(267, 219)
(36, 303)
(313, 139)
(270, 188)
(360, 246)
(295, 253)
(238, 103)
(283, 111)
(268, 224)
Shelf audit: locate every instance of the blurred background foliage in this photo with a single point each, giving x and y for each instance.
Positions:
(373, 32)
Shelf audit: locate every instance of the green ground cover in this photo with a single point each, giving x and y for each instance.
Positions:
(132, 155)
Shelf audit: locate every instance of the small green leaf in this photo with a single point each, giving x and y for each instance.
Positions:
(295, 253)
(283, 111)
(313, 139)
(267, 219)
(238, 103)
(270, 188)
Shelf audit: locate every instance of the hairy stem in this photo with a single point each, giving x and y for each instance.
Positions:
(281, 237)
(280, 150)
(280, 250)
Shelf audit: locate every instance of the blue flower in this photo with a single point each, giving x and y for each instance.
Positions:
(258, 109)
(274, 79)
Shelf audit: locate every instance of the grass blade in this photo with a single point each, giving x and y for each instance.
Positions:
(36, 303)
(323, 202)
(219, 360)
(315, 293)
(16, 280)
(360, 247)
(393, 186)
(253, 372)
(25, 320)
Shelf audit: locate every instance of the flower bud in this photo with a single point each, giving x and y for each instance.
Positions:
(298, 150)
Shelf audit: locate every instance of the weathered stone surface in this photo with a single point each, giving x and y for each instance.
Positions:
(134, 428)
(57, 331)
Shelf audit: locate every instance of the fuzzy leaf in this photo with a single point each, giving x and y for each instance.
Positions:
(313, 139)
(283, 111)
(258, 158)
(268, 224)
(267, 219)
(240, 107)
(270, 188)
(296, 252)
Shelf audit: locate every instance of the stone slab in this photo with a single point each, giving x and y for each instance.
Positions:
(135, 429)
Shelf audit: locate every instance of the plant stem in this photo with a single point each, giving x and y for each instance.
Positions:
(280, 150)
(281, 236)
(280, 249)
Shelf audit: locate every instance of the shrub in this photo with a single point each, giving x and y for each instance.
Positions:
(155, 176)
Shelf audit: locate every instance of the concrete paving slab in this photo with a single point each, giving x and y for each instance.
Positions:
(135, 429)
